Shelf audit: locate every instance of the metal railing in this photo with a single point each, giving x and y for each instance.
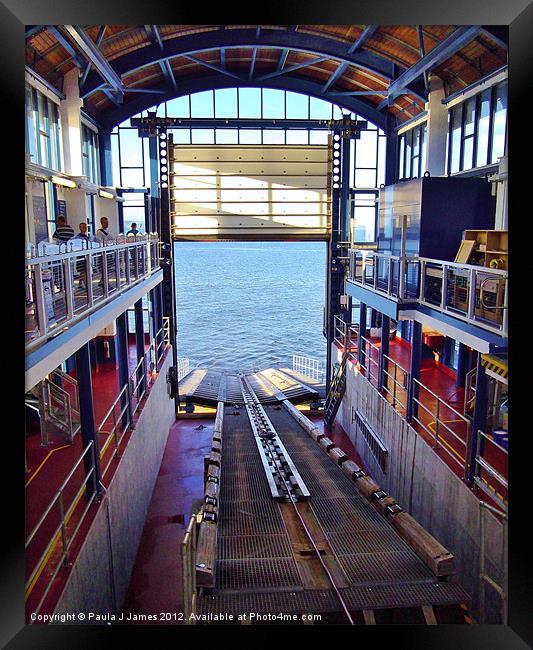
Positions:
(65, 521)
(188, 557)
(184, 367)
(474, 294)
(485, 579)
(370, 361)
(395, 384)
(119, 418)
(62, 287)
(486, 476)
(309, 367)
(435, 421)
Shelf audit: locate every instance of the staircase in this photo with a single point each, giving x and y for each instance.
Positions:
(336, 391)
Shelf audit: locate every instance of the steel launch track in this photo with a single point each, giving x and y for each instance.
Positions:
(318, 546)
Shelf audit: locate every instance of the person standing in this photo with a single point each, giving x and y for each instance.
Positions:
(63, 231)
(82, 234)
(133, 230)
(103, 234)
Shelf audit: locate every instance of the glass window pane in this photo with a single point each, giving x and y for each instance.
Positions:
(365, 149)
(365, 218)
(408, 149)
(132, 177)
(319, 109)
(365, 178)
(318, 137)
(250, 136)
(469, 116)
(483, 128)
(130, 148)
(382, 149)
(416, 141)
(202, 104)
(226, 102)
(337, 113)
(500, 122)
(297, 106)
(274, 136)
(273, 104)
(178, 107)
(181, 136)
(401, 155)
(226, 136)
(455, 138)
(203, 136)
(297, 136)
(250, 102)
(468, 151)
(424, 150)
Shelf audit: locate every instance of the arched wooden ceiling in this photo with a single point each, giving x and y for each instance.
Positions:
(373, 70)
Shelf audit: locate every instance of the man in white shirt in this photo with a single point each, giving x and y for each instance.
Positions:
(103, 234)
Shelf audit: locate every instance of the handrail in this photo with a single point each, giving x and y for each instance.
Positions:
(63, 485)
(457, 289)
(64, 287)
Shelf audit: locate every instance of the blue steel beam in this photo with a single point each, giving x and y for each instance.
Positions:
(88, 49)
(141, 102)
(297, 66)
(283, 40)
(167, 71)
(153, 34)
(252, 63)
(223, 58)
(67, 46)
(99, 39)
(212, 66)
(283, 58)
(439, 54)
(363, 38)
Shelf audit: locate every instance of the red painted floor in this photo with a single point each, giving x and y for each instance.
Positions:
(449, 437)
(49, 468)
(156, 579)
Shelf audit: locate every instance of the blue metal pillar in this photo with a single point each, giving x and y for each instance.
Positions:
(461, 365)
(71, 364)
(479, 420)
(384, 350)
(373, 317)
(416, 358)
(139, 342)
(106, 165)
(391, 165)
(362, 332)
(88, 431)
(121, 343)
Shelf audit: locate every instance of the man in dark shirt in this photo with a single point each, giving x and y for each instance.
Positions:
(133, 230)
(83, 232)
(63, 231)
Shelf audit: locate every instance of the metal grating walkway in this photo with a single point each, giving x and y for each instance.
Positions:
(256, 568)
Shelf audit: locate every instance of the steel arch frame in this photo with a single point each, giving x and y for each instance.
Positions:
(239, 38)
(215, 82)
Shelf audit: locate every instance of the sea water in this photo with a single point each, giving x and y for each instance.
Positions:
(249, 304)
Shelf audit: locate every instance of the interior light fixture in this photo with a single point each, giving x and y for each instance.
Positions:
(105, 195)
(59, 180)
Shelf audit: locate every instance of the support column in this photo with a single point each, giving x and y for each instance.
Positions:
(391, 152)
(479, 419)
(88, 432)
(384, 350)
(139, 342)
(71, 123)
(362, 332)
(121, 341)
(339, 233)
(437, 128)
(154, 185)
(416, 358)
(167, 262)
(461, 365)
(106, 166)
